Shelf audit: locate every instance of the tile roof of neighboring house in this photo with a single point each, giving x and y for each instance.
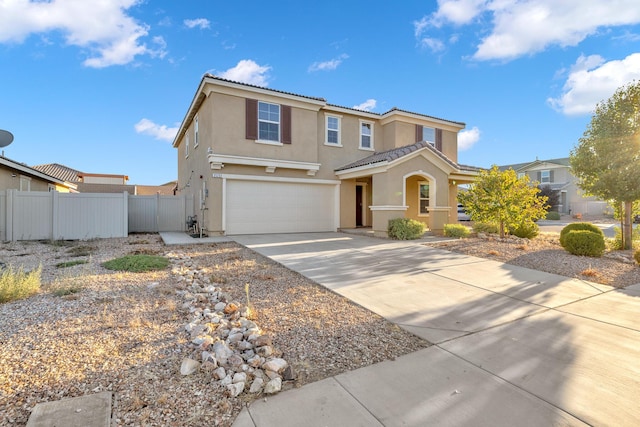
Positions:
(564, 161)
(396, 153)
(61, 172)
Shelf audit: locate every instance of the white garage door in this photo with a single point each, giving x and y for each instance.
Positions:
(254, 207)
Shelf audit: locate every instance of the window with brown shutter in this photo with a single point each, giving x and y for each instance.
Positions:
(438, 139)
(419, 133)
(251, 119)
(286, 124)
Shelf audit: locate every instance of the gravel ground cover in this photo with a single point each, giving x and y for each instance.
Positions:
(91, 329)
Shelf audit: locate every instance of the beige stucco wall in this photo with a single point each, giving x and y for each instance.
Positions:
(8, 182)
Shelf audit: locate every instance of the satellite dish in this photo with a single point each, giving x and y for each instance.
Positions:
(6, 138)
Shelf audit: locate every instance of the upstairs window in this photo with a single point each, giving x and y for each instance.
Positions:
(366, 135)
(196, 140)
(545, 177)
(429, 135)
(268, 122)
(186, 145)
(333, 130)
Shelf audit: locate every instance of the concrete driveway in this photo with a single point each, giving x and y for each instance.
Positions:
(513, 346)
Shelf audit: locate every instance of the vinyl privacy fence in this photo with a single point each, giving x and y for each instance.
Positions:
(31, 215)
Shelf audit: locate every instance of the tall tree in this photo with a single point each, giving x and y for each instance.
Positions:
(606, 160)
(503, 198)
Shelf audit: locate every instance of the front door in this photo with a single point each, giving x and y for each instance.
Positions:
(358, 206)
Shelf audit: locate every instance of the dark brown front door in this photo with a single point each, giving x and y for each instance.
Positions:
(358, 206)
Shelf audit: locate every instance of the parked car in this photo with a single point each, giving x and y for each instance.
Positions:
(462, 214)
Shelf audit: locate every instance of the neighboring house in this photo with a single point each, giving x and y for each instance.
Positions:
(102, 183)
(18, 176)
(259, 160)
(556, 173)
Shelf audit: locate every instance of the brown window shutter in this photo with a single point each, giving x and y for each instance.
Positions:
(251, 120)
(551, 176)
(286, 124)
(439, 139)
(419, 136)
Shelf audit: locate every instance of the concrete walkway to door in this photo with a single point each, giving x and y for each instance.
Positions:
(513, 346)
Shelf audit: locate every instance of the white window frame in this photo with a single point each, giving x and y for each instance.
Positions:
(420, 198)
(196, 139)
(546, 172)
(186, 145)
(360, 146)
(521, 175)
(327, 130)
(424, 133)
(279, 123)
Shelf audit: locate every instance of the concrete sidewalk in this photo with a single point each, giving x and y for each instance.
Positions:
(513, 346)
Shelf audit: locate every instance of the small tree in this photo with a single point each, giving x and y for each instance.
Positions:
(553, 196)
(501, 197)
(607, 158)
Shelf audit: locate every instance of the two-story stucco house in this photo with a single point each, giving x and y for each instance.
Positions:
(556, 173)
(259, 160)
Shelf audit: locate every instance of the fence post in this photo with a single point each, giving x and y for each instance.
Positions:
(55, 227)
(9, 216)
(125, 214)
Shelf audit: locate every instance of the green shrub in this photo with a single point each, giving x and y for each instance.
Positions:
(405, 229)
(552, 215)
(18, 284)
(137, 263)
(575, 226)
(526, 230)
(486, 227)
(456, 230)
(584, 242)
(616, 242)
(636, 256)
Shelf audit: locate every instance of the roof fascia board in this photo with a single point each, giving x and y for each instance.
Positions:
(403, 116)
(351, 111)
(238, 89)
(362, 171)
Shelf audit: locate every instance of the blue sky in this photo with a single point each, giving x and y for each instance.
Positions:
(102, 86)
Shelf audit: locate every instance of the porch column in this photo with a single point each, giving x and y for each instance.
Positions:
(381, 216)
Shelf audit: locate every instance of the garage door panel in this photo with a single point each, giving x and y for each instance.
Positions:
(275, 207)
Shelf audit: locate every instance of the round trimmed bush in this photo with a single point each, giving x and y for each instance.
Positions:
(575, 226)
(526, 230)
(584, 242)
(405, 229)
(552, 215)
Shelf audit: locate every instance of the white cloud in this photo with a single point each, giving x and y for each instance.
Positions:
(328, 65)
(201, 23)
(518, 28)
(247, 71)
(468, 138)
(592, 80)
(111, 36)
(147, 127)
(435, 45)
(367, 105)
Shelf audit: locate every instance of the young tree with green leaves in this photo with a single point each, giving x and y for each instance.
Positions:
(606, 160)
(501, 197)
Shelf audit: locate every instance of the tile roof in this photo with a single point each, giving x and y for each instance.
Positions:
(61, 172)
(396, 153)
(211, 76)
